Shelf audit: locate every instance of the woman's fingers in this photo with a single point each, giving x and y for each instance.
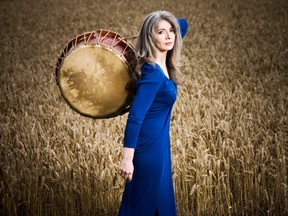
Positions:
(129, 178)
(126, 170)
(126, 175)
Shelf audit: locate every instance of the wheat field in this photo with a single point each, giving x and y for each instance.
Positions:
(229, 125)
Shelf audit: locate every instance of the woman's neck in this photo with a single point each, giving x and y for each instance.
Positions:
(160, 59)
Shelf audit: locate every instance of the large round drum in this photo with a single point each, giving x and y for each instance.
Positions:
(92, 73)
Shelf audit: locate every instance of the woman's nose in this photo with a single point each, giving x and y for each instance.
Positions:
(167, 35)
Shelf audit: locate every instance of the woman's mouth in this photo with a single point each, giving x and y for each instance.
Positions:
(168, 43)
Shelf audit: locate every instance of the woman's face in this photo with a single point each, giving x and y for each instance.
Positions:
(164, 36)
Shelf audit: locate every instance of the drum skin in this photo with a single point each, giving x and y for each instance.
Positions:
(92, 73)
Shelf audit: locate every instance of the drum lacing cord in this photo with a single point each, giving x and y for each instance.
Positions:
(122, 39)
(113, 42)
(104, 35)
(112, 45)
(89, 38)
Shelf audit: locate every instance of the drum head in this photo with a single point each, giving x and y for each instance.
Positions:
(92, 79)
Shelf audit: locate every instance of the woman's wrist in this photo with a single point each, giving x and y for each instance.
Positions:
(128, 154)
(127, 158)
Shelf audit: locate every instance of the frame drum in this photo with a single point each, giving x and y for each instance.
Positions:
(92, 73)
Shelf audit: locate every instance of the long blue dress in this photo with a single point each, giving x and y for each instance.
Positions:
(147, 131)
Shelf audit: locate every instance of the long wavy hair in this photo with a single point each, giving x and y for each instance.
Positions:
(146, 49)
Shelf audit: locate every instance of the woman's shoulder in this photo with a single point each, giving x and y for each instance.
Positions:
(148, 67)
(151, 70)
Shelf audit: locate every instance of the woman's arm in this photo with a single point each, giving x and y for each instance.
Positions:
(146, 91)
(183, 24)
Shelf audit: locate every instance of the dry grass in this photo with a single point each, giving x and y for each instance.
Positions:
(229, 126)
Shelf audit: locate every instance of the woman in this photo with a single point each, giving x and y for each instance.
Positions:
(146, 164)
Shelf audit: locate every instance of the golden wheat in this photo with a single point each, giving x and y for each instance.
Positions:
(229, 125)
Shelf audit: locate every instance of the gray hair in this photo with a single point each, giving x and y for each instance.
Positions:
(145, 47)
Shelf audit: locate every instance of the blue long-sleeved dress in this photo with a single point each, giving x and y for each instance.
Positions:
(147, 131)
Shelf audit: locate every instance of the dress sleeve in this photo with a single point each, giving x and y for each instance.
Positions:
(147, 88)
(183, 24)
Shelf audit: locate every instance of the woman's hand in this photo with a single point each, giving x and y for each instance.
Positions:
(126, 166)
(126, 169)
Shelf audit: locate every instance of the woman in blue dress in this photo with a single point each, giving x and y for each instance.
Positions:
(146, 163)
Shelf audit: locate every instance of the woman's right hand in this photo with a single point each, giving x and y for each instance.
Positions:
(126, 169)
(126, 166)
